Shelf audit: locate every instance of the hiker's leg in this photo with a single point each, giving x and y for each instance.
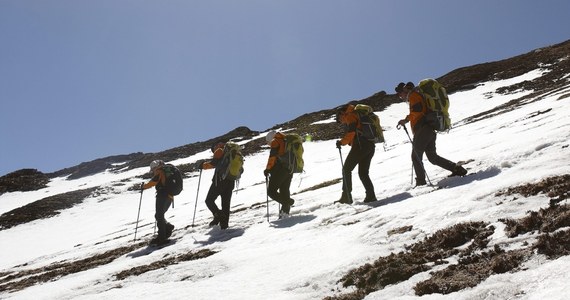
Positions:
(364, 168)
(278, 175)
(226, 195)
(213, 193)
(350, 163)
(162, 205)
(434, 158)
(285, 193)
(421, 139)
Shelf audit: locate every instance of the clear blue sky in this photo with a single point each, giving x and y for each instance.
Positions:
(85, 79)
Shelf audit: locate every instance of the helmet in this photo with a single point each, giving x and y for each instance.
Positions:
(155, 164)
(270, 135)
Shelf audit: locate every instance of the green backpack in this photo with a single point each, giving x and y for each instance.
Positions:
(293, 156)
(174, 181)
(437, 103)
(370, 128)
(231, 165)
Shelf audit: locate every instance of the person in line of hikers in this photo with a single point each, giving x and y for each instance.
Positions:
(281, 176)
(163, 202)
(222, 186)
(361, 153)
(424, 134)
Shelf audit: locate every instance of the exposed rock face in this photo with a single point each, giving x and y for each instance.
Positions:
(95, 166)
(23, 180)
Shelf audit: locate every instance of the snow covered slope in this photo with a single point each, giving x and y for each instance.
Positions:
(88, 252)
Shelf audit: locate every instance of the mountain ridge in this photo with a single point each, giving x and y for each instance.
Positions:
(463, 78)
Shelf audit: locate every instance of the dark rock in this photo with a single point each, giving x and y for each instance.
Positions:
(23, 180)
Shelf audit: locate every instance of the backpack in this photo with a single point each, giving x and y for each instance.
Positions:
(231, 165)
(370, 128)
(437, 103)
(173, 183)
(293, 156)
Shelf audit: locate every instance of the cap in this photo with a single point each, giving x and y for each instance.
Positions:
(400, 87)
(270, 135)
(155, 164)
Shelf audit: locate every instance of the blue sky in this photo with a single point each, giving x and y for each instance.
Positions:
(81, 80)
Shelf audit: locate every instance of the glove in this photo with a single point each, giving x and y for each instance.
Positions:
(402, 122)
(338, 144)
(201, 166)
(266, 172)
(142, 186)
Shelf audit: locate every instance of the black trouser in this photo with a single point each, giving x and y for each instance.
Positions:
(223, 189)
(360, 154)
(280, 180)
(163, 202)
(424, 141)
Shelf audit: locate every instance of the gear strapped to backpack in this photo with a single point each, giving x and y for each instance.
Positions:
(437, 103)
(174, 182)
(231, 164)
(370, 128)
(293, 156)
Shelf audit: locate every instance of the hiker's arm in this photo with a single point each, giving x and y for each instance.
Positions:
(151, 183)
(218, 154)
(417, 108)
(352, 121)
(273, 154)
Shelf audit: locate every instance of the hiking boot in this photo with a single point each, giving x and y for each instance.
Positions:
(158, 241)
(458, 171)
(370, 198)
(283, 215)
(285, 209)
(345, 199)
(224, 220)
(420, 181)
(216, 219)
(169, 229)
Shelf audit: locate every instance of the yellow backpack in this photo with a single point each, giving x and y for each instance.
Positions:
(370, 128)
(437, 103)
(231, 165)
(293, 156)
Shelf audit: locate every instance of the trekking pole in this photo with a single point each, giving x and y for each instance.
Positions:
(267, 195)
(138, 215)
(415, 153)
(197, 193)
(344, 179)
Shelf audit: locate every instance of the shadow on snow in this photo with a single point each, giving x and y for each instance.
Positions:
(219, 235)
(292, 221)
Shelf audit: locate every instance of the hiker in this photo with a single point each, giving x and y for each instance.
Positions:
(163, 202)
(281, 176)
(424, 134)
(361, 153)
(222, 186)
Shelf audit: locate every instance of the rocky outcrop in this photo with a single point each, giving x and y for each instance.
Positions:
(23, 180)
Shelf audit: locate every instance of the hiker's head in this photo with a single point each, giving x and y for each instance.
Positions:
(270, 135)
(155, 164)
(342, 110)
(216, 145)
(403, 89)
